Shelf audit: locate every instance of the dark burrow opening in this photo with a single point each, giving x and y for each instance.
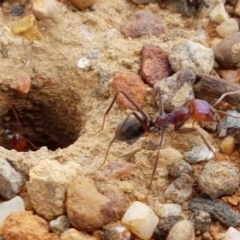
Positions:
(49, 116)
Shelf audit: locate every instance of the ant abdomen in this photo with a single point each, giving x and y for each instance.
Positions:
(129, 129)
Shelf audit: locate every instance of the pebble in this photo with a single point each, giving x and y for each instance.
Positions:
(73, 234)
(228, 125)
(133, 85)
(180, 190)
(142, 23)
(230, 75)
(25, 225)
(218, 179)
(11, 181)
(217, 209)
(21, 83)
(140, 220)
(83, 4)
(17, 10)
(28, 27)
(227, 28)
(83, 63)
(199, 154)
(139, 2)
(164, 226)
(168, 209)
(226, 52)
(48, 9)
(60, 224)
(87, 209)
(201, 221)
(179, 167)
(177, 89)
(117, 197)
(227, 145)
(155, 65)
(219, 14)
(182, 230)
(116, 231)
(14, 205)
(47, 188)
(185, 54)
(232, 234)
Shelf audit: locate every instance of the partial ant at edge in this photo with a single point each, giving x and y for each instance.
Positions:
(138, 122)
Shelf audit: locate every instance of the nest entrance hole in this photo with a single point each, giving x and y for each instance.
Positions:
(51, 120)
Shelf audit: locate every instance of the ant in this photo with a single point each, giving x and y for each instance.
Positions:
(16, 139)
(137, 123)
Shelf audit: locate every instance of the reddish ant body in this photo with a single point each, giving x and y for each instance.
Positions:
(136, 125)
(16, 139)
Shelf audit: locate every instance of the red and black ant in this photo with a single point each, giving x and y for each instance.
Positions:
(135, 125)
(16, 139)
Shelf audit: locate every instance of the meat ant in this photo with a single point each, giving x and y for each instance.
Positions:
(137, 123)
(16, 139)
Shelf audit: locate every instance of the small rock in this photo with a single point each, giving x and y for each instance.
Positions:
(168, 209)
(117, 197)
(180, 190)
(140, 220)
(230, 75)
(164, 226)
(22, 83)
(226, 52)
(232, 234)
(28, 27)
(142, 23)
(83, 63)
(199, 154)
(87, 209)
(179, 167)
(155, 65)
(182, 230)
(17, 10)
(11, 181)
(83, 4)
(170, 155)
(229, 124)
(48, 9)
(201, 221)
(227, 145)
(116, 231)
(217, 209)
(47, 188)
(73, 234)
(219, 14)
(25, 225)
(177, 89)
(133, 85)
(16, 204)
(218, 179)
(186, 54)
(140, 1)
(59, 225)
(227, 28)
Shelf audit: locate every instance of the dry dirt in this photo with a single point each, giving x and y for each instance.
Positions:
(65, 105)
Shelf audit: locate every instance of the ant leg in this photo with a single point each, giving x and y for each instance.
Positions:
(138, 108)
(156, 161)
(4, 99)
(141, 121)
(160, 101)
(223, 96)
(188, 130)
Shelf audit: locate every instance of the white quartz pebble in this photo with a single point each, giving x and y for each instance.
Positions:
(219, 14)
(232, 234)
(16, 204)
(140, 220)
(227, 28)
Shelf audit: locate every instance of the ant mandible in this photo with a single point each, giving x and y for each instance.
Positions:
(135, 125)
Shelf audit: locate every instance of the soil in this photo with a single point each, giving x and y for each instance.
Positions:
(65, 106)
